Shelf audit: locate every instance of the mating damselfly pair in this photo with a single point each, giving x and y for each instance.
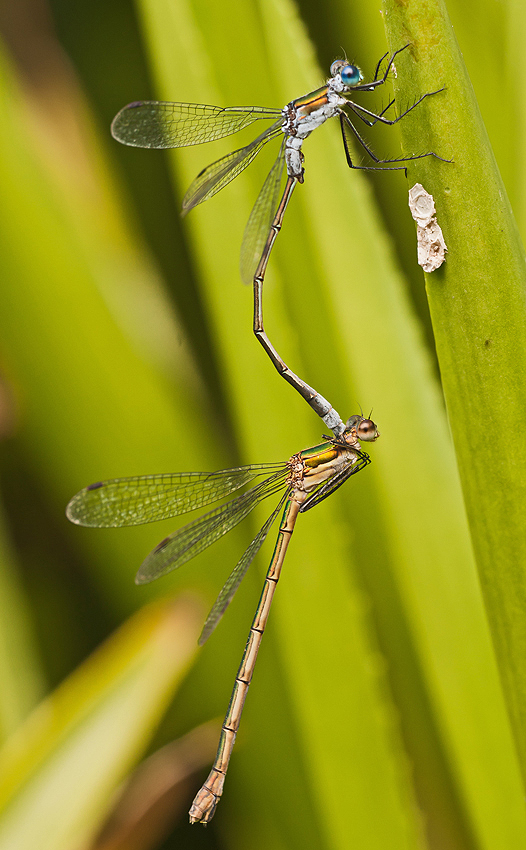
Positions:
(309, 476)
(154, 124)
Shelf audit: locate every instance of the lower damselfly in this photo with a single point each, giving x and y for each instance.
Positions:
(154, 124)
(304, 481)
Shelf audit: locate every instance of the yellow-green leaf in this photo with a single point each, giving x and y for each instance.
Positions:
(59, 770)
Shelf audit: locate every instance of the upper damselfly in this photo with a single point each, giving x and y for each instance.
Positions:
(305, 480)
(153, 124)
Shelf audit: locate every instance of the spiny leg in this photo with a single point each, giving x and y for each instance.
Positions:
(361, 111)
(379, 82)
(377, 71)
(358, 108)
(345, 121)
(372, 118)
(376, 118)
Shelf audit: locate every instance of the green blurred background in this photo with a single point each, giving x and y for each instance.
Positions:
(375, 719)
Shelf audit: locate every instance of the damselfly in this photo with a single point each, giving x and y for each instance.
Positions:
(303, 482)
(152, 124)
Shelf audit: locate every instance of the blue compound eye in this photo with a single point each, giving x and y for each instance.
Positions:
(351, 75)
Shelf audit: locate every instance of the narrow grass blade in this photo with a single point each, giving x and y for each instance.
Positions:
(478, 309)
(60, 770)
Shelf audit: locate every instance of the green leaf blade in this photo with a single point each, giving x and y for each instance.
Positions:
(61, 767)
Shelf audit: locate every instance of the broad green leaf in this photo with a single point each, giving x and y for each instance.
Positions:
(98, 363)
(478, 309)
(21, 676)
(61, 768)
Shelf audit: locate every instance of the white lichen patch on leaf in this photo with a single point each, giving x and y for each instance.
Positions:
(431, 245)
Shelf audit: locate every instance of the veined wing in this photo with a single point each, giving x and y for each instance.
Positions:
(215, 177)
(159, 124)
(234, 579)
(261, 217)
(148, 498)
(336, 481)
(187, 542)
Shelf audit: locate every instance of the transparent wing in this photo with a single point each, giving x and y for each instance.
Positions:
(334, 483)
(234, 579)
(187, 542)
(158, 124)
(215, 177)
(148, 498)
(261, 217)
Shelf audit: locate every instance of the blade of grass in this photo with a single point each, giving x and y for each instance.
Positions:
(21, 677)
(483, 30)
(515, 88)
(478, 307)
(60, 770)
(96, 401)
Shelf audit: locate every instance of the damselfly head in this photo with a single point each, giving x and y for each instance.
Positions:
(365, 429)
(350, 75)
